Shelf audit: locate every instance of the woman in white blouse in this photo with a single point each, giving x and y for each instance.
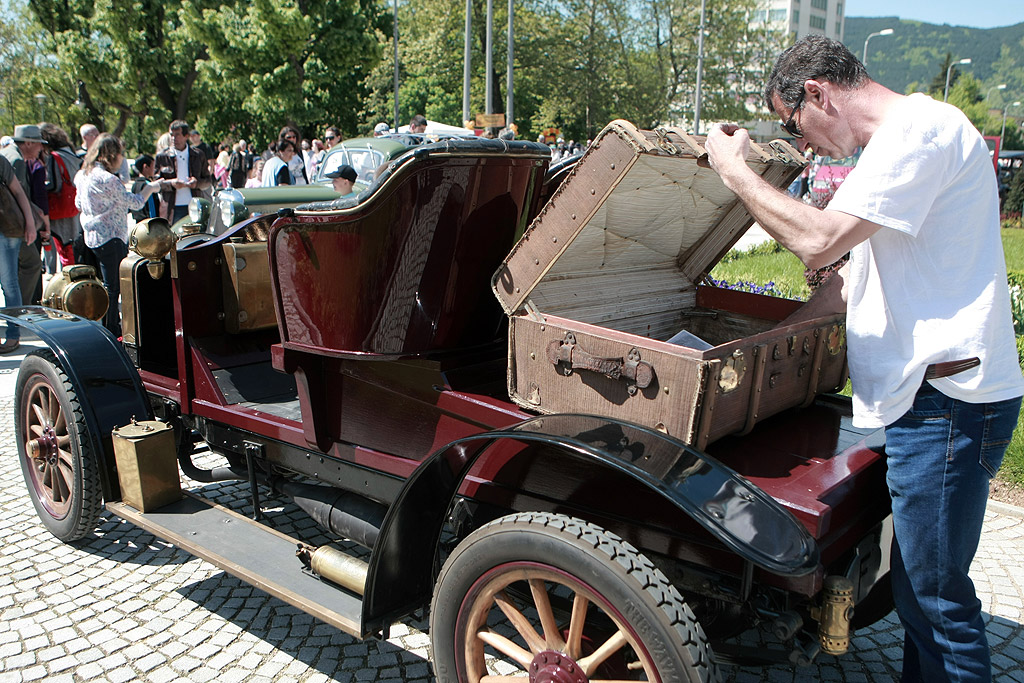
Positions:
(104, 203)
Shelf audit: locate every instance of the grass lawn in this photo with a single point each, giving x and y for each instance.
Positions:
(770, 263)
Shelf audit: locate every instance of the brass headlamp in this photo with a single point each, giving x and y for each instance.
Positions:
(77, 290)
(152, 239)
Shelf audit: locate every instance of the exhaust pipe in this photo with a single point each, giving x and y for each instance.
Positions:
(185, 450)
(348, 515)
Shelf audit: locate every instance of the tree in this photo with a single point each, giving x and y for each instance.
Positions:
(300, 62)
(580, 63)
(937, 88)
(738, 56)
(27, 70)
(133, 57)
(1015, 197)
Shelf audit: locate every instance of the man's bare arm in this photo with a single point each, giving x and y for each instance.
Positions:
(817, 237)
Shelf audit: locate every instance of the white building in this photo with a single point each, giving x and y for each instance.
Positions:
(801, 17)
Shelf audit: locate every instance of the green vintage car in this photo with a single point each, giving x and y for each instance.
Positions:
(233, 205)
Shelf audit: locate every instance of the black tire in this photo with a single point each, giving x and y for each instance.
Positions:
(57, 460)
(528, 559)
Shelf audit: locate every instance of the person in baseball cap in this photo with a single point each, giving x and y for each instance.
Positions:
(381, 129)
(343, 178)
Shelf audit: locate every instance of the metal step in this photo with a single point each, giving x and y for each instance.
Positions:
(249, 550)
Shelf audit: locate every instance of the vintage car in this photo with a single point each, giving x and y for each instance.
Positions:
(234, 205)
(350, 359)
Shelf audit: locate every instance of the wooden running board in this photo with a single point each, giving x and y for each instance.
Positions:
(250, 551)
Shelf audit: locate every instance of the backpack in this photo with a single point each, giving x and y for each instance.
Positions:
(12, 222)
(62, 201)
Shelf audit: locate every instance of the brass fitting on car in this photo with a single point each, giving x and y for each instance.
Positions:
(335, 566)
(152, 239)
(77, 290)
(835, 614)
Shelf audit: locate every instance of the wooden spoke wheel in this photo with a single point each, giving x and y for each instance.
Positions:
(60, 469)
(547, 598)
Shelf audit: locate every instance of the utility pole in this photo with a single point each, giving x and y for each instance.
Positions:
(466, 71)
(508, 77)
(700, 71)
(395, 36)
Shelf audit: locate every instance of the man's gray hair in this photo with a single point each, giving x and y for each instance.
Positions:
(812, 57)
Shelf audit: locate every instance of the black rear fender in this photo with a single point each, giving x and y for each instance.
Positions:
(700, 489)
(106, 382)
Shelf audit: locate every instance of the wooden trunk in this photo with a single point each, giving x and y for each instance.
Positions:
(612, 268)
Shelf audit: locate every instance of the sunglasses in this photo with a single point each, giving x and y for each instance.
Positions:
(330, 137)
(789, 126)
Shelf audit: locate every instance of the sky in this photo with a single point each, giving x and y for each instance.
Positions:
(977, 14)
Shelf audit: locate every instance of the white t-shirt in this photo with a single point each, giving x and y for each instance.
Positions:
(271, 167)
(930, 286)
(182, 195)
(296, 166)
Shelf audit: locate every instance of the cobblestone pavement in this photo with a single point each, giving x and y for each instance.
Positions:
(124, 606)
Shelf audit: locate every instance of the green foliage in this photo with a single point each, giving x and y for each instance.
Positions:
(763, 263)
(1013, 249)
(1015, 197)
(246, 68)
(273, 63)
(27, 70)
(578, 63)
(1016, 283)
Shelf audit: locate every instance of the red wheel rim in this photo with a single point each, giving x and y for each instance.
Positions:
(553, 653)
(51, 464)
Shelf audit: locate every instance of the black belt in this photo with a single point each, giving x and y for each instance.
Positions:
(950, 367)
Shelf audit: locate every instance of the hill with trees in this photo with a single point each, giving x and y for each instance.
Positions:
(915, 59)
(911, 58)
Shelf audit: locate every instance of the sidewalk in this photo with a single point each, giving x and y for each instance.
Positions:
(124, 606)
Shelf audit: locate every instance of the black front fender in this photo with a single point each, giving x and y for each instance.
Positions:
(737, 513)
(108, 386)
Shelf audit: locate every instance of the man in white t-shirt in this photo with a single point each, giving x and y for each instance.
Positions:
(931, 345)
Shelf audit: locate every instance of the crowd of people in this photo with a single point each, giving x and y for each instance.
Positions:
(73, 205)
(62, 205)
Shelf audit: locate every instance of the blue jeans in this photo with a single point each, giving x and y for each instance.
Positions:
(941, 455)
(10, 248)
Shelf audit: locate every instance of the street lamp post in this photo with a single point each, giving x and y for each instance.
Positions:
(1001, 86)
(883, 32)
(945, 95)
(41, 100)
(1002, 131)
